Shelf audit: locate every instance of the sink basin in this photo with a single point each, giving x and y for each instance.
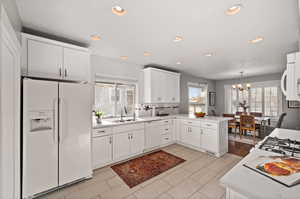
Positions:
(126, 120)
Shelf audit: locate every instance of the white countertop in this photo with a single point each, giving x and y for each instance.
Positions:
(256, 186)
(109, 123)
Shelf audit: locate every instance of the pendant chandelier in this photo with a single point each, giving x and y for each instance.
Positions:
(242, 85)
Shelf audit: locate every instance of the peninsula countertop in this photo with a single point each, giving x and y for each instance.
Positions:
(254, 185)
(110, 123)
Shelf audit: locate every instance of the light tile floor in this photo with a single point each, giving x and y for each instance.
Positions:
(197, 178)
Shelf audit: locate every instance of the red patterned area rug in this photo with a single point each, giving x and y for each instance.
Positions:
(138, 170)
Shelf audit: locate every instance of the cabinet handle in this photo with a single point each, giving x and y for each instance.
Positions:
(110, 140)
(166, 129)
(166, 121)
(66, 73)
(60, 72)
(100, 131)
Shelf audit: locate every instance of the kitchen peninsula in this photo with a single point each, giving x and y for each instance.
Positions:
(112, 138)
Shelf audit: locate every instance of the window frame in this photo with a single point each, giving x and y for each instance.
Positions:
(116, 83)
(263, 85)
(198, 85)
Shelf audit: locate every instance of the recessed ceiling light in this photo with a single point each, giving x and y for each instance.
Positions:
(95, 37)
(233, 10)
(147, 54)
(117, 10)
(256, 40)
(124, 57)
(208, 54)
(178, 63)
(178, 38)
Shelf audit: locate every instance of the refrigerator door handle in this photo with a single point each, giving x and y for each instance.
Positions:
(55, 122)
(63, 117)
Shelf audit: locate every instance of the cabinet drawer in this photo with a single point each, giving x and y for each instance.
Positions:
(169, 122)
(159, 123)
(210, 125)
(102, 132)
(166, 129)
(128, 127)
(191, 122)
(166, 138)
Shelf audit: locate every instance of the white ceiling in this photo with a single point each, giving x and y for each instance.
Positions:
(151, 25)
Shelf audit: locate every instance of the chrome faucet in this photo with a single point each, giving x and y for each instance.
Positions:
(122, 113)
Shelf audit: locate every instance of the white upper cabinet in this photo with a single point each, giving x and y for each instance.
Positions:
(76, 64)
(161, 86)
(44, 58)
(52, 59)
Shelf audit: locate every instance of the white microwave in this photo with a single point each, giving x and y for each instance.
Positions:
(290, 81)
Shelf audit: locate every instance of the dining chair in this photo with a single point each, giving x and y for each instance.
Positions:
(247, 123)
(232, 124)
(280, 120)
(257, 114)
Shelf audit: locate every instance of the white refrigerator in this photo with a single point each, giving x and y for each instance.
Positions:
(56, 135)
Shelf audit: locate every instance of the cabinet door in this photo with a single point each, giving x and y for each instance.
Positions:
(172, 88)
(137, 142)
(158, 85)
(121, 146)
(153, 136)
(75, 160)
(76, 64)
(169, 88)
(44, 59)
(176, 88)
(209, 140)
(102, 151)
(194, 136)
(184, 134)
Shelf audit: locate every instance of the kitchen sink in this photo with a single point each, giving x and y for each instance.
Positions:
(126, 120)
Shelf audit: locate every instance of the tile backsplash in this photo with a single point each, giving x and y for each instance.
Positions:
(147, 110)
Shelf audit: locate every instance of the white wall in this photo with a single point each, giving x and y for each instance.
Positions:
(9, 109)
(13, 15)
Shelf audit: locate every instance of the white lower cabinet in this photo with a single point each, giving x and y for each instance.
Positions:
(102, 150)
(121, 146)
(127, 144)
(152, 135)
(158, 133)
(191, 135)
(137, 144)
(209, 140)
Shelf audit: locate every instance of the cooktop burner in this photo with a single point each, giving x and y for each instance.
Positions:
(282, 146)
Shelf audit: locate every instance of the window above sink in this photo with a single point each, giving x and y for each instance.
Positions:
(112, 97)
